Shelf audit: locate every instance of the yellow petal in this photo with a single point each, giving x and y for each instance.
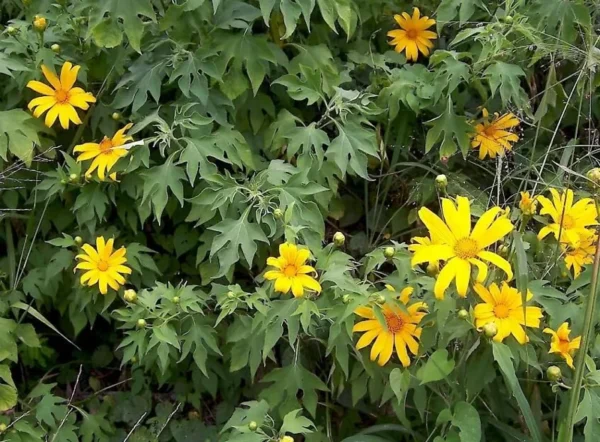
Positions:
(51, 77)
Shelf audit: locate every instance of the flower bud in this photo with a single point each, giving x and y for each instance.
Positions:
(88, 176)
(346, 299)
(130, 296)
(230, 295)
(63, 181)
(441, 181)
(433, 268)
(141, 323)
(55, 48)
(380, 299)
(78, 240)
(389, 252)
(490, 329)
(553, 373)
(73, 177)
(286, 439)
(339, 239)
(3, 427)
(194, 415)
(252, 426)
(594, 176)
(278, 213)
(175, 300)
(39, 23)
(11, 30)
(116, 116)
(508, 19)
(463, 314)
(503, 250)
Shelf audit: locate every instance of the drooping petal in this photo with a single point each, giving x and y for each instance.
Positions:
(444, 278)
(498, 261)
(387, 349)
(463, 275)
(401, 350)
(309, 282)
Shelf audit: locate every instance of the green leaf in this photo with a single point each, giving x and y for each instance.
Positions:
(503, 356)
(437, 367)
(19, 134)
(522, 273)
(6, 375)
(236, 234)
(400, 383)
(352, 147)
(295, 424)
(158, 181)
(128, 13)
(8, 397)
(50, 409)
(198, 338)
(107, 34)
(95, 427)
(166, 333)
(307, 140)
(451, 130)
(306, 87)
(467, 420)
(507, 78)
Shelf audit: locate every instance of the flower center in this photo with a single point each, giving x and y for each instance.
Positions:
(466, 248)
(568, 222)
(563, 346)
(103, 266)
(61, 96)
(290, 271)
(490, 131)
(501, 311)
(394, 322)
(106, 145)
(412, 34)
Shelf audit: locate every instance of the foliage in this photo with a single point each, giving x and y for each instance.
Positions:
(258, 123)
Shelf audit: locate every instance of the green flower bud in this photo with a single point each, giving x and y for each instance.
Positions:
(11, 30)
(441, 182)
(389, 252)
(490, 329)
(503, 250)
(433, 268)
(278, 213)
(594, 176)
(230, 295)
(134, 359)
(346, 299)
(130, 296)
(553, 373)
(73, 177)
(463, 314)
(78, 240)
(252, 426)
(88, 176)
(339, 239)
(63, 181)
(141, 323)
(380, 299)
(175, 300)
(116, 116)
(55, 48)
(3, 428)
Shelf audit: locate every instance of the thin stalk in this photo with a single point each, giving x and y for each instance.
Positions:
(566, 430)
(10, 250)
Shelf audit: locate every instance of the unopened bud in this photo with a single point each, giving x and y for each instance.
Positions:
(380, 299)
(503, 250)
(55, 48)
(141, 323)
(252, 426)
(278, 213)
(88, 176)
(39, 23)
(11, 30)
(490, 329)
(339, 239)
(594, 176)
(116, 116)
(286, 439)
(553, 373)
(346, 299)
(130, 295)
(389, 252)
(73, 177)
(175, 300)
(441, 181)
(463, 314)
(230, 295)
(3, 428)
(433, 268)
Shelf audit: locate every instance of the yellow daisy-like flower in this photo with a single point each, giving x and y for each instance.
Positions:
(413, 37)
(562, 344)
(400, 329)
(61, 99)
(460, 246)
(492, 137)
(570, 221)
(106, 153)
(581, 255)
(528, 205)
(504, 307)
(102, 265)
(292, 272)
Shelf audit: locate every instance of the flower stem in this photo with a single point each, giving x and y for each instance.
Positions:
(566, 430)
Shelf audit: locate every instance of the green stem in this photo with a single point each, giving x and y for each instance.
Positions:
(10, 250)
(566, 430)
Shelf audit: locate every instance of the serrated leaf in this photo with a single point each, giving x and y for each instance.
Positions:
(296, 424)
(157, 183)
(19, 134)
(506, 78)
(305, 87)
(352, 147)
(451, 130)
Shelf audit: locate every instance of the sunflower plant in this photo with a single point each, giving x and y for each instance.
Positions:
(294, 220)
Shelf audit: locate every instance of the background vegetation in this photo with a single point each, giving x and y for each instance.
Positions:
(266, 121)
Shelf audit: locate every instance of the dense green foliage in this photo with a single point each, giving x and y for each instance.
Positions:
(268, 121)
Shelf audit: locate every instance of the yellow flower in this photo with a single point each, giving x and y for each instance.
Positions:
(102, 265)
(461, 247)
(413, 37)
(106, 153)
(505, 309)
(292, 272)
(61, 97)
(286, 439)
(580, 255)
(562, 344)
(527, 204)
(400, 329)
(570, 220)
(39, 23)
(492, 138)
